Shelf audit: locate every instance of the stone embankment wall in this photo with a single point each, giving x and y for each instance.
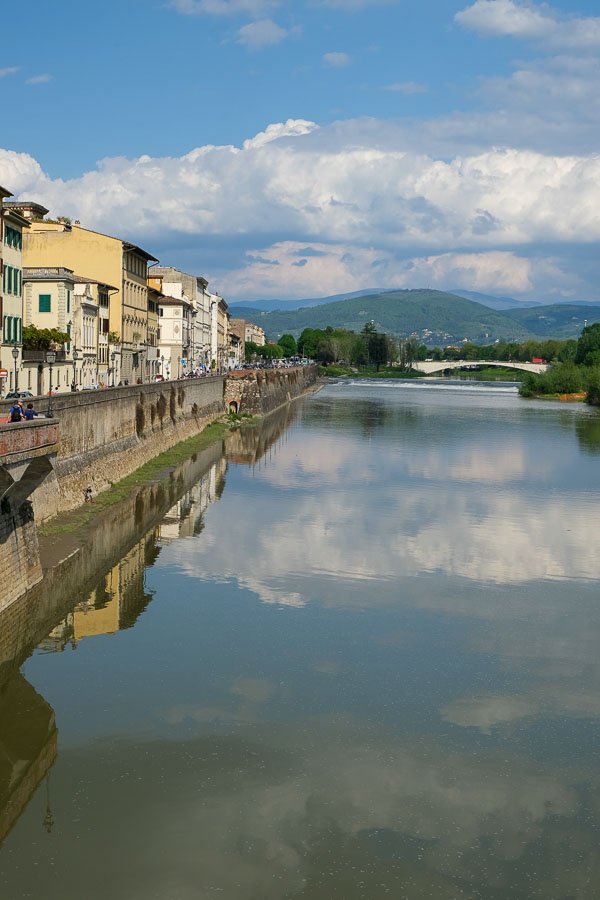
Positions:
(260, 391)
(20, 567)
(106, 435)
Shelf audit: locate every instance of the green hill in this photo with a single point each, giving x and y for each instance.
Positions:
(561, 321)
(435, 317)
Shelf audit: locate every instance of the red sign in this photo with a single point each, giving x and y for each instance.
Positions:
(3, 373)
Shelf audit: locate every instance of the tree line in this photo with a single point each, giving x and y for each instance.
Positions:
(574, 364)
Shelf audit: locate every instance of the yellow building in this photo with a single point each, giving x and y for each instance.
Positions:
(109, 260)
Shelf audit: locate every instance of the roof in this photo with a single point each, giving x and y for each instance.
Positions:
(128, 247)
(81, 279)
(47, 273)
(10, 213)
(4, 192)
(28, 204)
(165, 300)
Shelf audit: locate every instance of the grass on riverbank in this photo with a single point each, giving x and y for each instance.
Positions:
(155, 470)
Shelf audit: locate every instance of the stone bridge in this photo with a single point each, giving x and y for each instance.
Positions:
(430, 367)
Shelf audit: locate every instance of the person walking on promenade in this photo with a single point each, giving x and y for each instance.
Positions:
(15, 413)
(30, 413)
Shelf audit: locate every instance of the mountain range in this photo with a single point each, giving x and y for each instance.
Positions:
(435, 317)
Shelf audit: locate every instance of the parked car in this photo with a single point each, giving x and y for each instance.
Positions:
(18, 395)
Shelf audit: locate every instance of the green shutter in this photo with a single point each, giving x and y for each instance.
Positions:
(45, 303)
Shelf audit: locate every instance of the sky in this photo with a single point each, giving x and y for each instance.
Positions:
(301, 149)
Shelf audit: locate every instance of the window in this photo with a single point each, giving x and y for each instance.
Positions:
(9, 279)
(68, 301)
(45, 303)
(12, 237)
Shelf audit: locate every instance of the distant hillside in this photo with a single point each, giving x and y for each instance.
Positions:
(435, 317)
(564, 320)
(244, 308)
(495, 302)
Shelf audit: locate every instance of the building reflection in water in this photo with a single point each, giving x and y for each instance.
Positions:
(28, 746)
(28, 732)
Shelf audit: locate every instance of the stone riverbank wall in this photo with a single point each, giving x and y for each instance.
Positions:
(106, 435)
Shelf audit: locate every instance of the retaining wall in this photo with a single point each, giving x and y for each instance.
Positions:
(106, 435)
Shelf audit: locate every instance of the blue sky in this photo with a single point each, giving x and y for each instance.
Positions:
(298, 149)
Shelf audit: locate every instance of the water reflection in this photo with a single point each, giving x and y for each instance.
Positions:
(369, 667)
(27, 747)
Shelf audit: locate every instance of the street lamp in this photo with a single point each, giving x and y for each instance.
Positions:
(113, 356)
(50, 359)
(75, 358)
(15, 356)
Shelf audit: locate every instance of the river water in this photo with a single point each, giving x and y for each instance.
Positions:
(356, 658)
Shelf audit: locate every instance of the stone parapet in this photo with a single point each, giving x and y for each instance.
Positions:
(21, 441)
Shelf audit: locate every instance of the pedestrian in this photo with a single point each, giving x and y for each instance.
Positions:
(30, 413)
(15, 413)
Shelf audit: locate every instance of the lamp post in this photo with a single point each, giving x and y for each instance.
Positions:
(50, 359)
(15, 356)
(113, 356)
(75, 358)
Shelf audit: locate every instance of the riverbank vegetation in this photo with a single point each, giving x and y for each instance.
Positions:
(579, 374)
(574, 365)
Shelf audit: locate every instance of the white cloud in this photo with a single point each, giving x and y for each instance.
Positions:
(9, 70)
(262, 33)
(273, 132)
(406, 87)
(376, 209)
(336, 59)
(507, 18)
(40, 79)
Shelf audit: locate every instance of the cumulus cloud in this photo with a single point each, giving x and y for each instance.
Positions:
(9, 70)
(262, 33)
(336, 59)
(507, 18)
(372, 208)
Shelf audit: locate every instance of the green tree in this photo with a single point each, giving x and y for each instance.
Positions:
(43, 338)
(588, 346)
(287, 342)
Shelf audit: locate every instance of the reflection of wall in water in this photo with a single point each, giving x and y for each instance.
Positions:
(116, 603)
(27, 747)
(184, 519)
(248, 444)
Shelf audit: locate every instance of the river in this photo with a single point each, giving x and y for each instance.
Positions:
(351, 654)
